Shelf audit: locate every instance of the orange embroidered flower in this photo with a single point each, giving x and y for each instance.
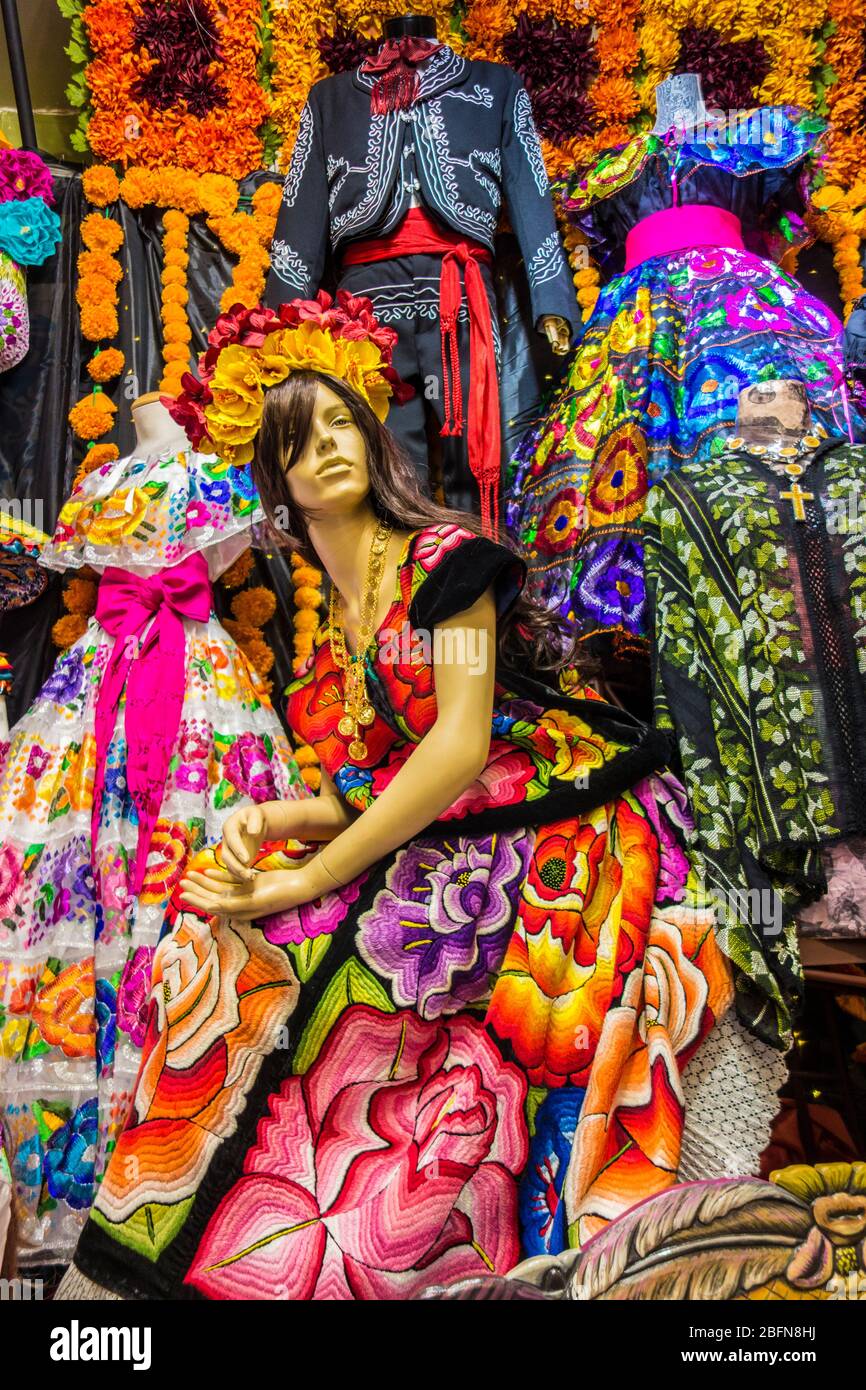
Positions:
(63, 1009)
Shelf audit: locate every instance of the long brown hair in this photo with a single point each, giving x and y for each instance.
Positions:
(527, 631)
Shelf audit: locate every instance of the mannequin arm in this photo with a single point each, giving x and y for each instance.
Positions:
(447, 760)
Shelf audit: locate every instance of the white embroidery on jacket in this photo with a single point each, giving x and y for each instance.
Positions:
(524, 128)
(492, 160)
(300, 155)
(547, 262)
(383, 151)
(479, 96)
(441, 184)
(291, 268)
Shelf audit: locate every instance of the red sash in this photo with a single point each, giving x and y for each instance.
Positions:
(418, 234)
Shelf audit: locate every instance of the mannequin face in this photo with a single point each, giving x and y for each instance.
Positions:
(773, 410)
(331, 474)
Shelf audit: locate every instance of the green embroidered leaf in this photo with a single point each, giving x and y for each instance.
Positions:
(150, 1229)
(352, 984)
(309, 955)
(534, 1097)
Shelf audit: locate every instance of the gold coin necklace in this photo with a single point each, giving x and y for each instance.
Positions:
(358, 713)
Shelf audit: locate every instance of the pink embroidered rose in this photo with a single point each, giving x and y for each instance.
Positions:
(11, 877)
(390, 1165)
(502, 782)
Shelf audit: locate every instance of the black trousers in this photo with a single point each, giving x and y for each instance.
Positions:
(405, 295)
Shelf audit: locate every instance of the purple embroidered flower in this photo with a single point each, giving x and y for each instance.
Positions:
(132, 994)
(11, 877)
(610, 588)
(439, 928)
(37, 762)
(66, 680)
(665, 803)
(248, 767)
(319, 918)
(191, 778)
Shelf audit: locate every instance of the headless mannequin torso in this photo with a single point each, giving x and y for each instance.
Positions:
(155, 431)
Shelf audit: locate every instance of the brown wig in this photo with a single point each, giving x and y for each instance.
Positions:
(527, 631)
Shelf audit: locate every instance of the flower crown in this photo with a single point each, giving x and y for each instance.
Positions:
(252, 349)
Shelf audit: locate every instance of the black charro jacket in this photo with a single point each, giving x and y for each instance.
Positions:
(469, 140)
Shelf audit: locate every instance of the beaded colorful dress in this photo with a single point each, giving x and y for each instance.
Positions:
(671, 342)
(470, 1053)
(76, 943)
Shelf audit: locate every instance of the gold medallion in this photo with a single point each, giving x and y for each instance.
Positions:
(366, 715)
(357, 749)
(346, 726)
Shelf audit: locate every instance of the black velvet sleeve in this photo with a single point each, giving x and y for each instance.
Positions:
(459, 578)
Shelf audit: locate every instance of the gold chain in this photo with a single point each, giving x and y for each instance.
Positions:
(358, 713)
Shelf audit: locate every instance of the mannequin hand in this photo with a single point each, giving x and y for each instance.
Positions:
(557, 332)
(216, 893)
(243, 834)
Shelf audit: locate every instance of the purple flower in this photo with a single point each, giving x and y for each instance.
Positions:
(132, 994)
(37, 762)
(664, 800)
(182, 44)
(319, 918)
(191, 779)
(439, 928)
(730, 73)
(610, 588)
(66, 680)
(344, 49)
(247, 766)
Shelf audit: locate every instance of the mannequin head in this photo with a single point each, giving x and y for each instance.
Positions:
(310, 423)
(416, 26)
(349, 464)
(155, 430)
(772, 410)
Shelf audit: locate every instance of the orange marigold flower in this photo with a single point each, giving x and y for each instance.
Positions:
(99, 263)
(175, 294)
(173, 274)
(139, 187)
(175, 221)
(95, 289)
(177, 333)
(176, 352)
(93, 416)
(614, 98)
(101, 234)
(218, 195)
(239, 572)
(101, 185)
(106, 364)
(68, 630)
(255, 606)
(99, 321)
(80, 596)
(259, 655)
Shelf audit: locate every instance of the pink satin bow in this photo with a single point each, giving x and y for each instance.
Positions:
(153, 669)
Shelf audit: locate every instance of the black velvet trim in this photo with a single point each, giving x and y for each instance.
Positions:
(462, 576)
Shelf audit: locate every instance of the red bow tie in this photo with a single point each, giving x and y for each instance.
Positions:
(398, 85)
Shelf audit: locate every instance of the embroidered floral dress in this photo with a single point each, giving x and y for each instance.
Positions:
(469, 1054)
(756, 568)
(654, 382)
(76, 946)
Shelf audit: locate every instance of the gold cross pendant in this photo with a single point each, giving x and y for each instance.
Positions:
(797, 496)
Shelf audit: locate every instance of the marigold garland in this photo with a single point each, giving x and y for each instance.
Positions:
(176, 331)
(309, 602)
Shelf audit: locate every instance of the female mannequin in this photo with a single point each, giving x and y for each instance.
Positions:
(151, 728)
(488, 887)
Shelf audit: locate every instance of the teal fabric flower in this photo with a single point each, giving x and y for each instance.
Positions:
(29, 231)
